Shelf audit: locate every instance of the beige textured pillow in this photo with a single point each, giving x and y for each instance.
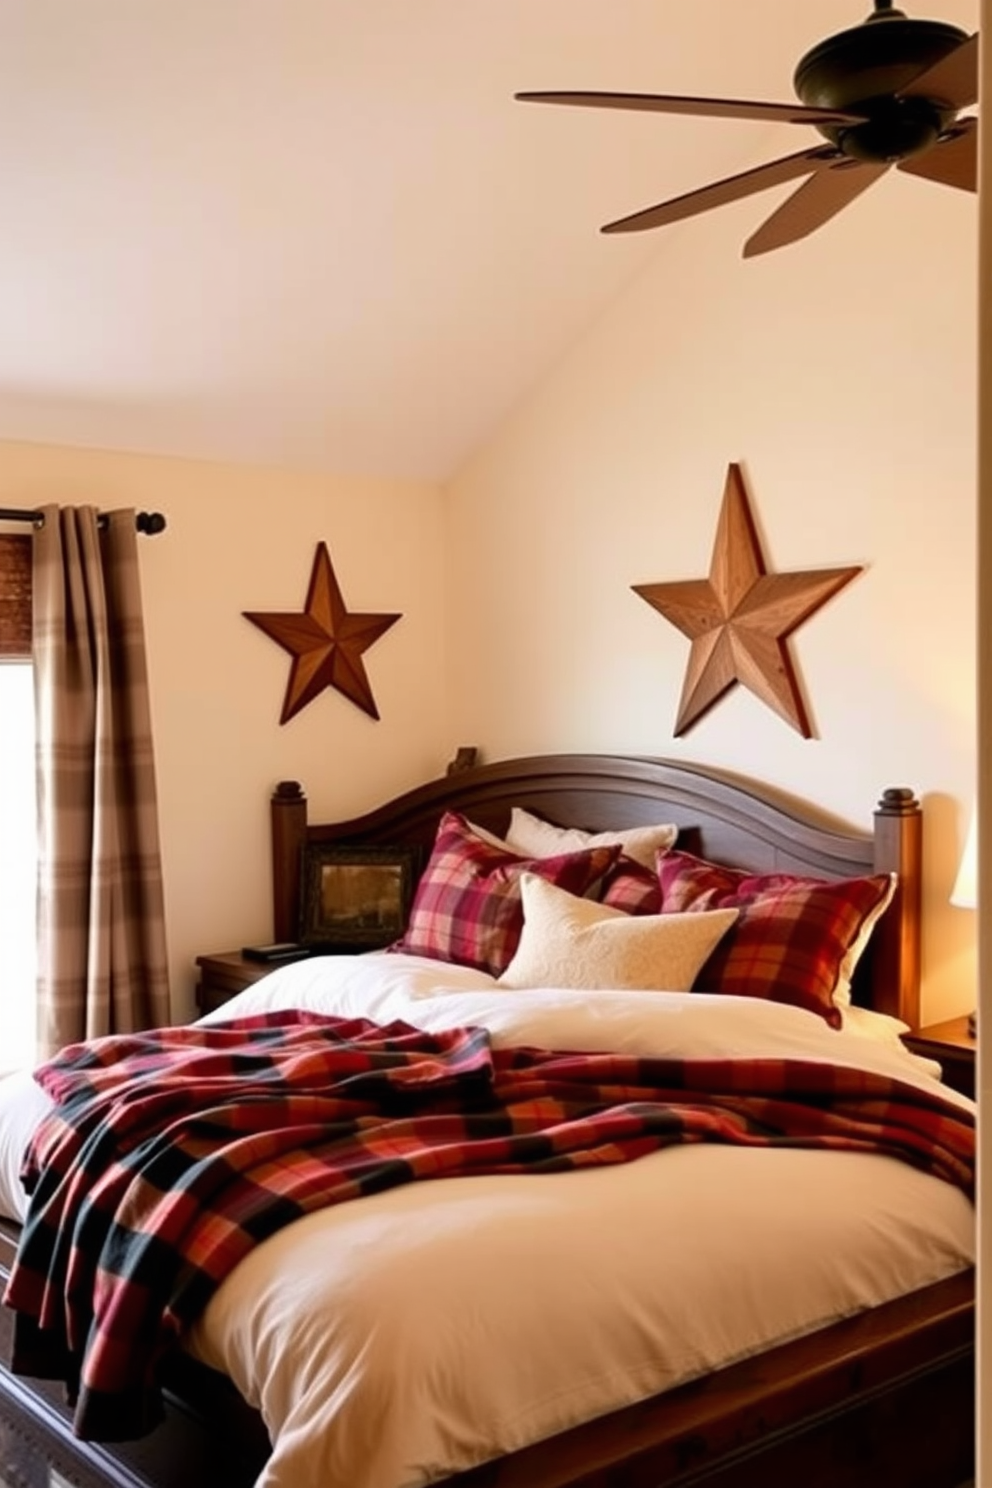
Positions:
(572, 942)
(534, 838)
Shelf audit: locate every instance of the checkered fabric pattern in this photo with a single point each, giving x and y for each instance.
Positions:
(468, 909)
(102, 963)
(791, 936)
(170, 1154)
(631, 887)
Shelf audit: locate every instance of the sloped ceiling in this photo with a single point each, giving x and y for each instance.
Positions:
(321, 232)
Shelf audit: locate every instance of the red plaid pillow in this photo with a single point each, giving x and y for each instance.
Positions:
(631, 887)
(790, 939)
(468, 908)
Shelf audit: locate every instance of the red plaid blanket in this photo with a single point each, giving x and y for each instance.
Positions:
(171, 1153)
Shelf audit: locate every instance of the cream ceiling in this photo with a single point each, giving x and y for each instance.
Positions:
(321, 232)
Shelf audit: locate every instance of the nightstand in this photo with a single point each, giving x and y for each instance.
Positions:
(952, 1046)
(224, 973)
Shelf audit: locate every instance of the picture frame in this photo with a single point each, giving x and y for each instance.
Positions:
(355, 898)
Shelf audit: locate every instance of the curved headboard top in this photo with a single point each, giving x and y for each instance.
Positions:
(732, 820)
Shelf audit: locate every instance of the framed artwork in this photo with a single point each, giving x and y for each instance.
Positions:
(356, 898)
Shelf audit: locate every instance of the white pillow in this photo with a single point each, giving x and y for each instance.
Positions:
(577, 943)
(532, 837)
(23, 1104)
(842, 991)
(881, 1027)
(491, 838)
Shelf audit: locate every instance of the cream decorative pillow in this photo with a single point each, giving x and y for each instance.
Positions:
(535, 838)
(572, 942)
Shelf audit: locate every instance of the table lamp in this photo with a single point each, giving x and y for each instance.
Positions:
(965, 890)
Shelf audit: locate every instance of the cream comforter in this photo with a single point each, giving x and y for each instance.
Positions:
(395, 1340)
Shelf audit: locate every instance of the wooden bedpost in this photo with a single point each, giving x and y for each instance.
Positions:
(899, 849)
(288, 808)
(466, 758)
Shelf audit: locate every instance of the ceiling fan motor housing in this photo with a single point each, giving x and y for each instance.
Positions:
(863, 70)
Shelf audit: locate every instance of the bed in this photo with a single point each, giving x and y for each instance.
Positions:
(877, 1389)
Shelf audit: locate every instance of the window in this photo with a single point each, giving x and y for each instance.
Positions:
(18, 842)
(18, 864)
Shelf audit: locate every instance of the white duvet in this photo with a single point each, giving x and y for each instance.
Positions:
(398, 1339)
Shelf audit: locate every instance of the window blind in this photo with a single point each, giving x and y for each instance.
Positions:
(15, 596)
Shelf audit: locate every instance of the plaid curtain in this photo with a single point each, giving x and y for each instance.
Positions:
(101, 925)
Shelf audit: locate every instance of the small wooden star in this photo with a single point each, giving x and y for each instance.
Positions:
(739, 618)
(325, 642)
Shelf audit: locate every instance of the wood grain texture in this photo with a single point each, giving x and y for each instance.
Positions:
(326, 641)
(740, 617)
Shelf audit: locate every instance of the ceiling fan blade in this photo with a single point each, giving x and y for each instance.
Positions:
(816, 201)
(953, 79)
(712, 108)
(732, 188)
(953, 160)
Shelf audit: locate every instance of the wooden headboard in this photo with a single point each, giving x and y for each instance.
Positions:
(729, 819)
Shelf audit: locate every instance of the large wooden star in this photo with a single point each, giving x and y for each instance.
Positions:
(325, 642)
(739, 618)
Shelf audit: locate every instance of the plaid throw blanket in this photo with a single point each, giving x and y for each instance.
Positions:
(171, 1153)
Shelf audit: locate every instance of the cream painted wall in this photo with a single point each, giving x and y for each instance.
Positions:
(841, 374)
(852, 409)
(238, 539)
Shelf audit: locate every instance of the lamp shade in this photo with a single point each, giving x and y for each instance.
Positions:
(965, 890)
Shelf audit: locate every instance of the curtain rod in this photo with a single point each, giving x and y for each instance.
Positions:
(147, 522)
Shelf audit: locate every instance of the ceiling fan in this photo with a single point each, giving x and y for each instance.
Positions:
(884, 93)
